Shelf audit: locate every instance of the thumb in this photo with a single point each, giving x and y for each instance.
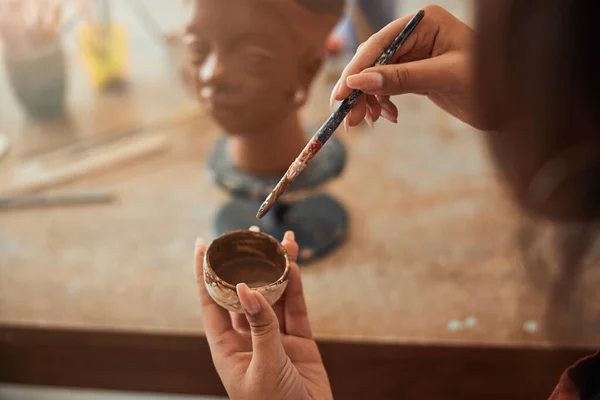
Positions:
(411, 77)
(264, 327)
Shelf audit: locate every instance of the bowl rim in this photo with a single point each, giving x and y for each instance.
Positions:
(284, 276)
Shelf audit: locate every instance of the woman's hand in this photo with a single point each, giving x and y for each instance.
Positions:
(434, 61)
(268, 353)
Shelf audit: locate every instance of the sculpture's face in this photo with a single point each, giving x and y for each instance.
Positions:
(247, 61)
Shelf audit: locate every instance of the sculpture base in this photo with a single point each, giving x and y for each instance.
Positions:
(328, 164)
(318, 221)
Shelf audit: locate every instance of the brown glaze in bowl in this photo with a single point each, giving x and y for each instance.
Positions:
(254, 258)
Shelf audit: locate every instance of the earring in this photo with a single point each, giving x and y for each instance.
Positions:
(299, 97)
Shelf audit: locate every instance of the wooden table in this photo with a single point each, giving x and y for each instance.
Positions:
(427, 298)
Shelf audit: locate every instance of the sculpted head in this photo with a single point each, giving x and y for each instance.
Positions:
(256, 59)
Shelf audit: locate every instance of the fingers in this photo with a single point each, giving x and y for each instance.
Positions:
(370, 108)
(296, 315)
(389, 110)
(412, 77)
(241, 325)
(290, 245)
(372, 49)
(373, 110)
(278, 309)
(357, 114)
(333, 93)
(215, 319)
(239, 322)
(264, 328)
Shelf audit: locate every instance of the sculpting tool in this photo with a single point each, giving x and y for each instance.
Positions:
(56, 199)
(98, 160)
(324, 133)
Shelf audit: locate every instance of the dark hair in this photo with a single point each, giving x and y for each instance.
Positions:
(537, 77)
(538, 81)
(323, 6)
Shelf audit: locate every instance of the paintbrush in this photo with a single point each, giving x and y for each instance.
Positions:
(324, 133)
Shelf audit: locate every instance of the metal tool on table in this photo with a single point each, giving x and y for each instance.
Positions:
(56, 199)
(100, 159)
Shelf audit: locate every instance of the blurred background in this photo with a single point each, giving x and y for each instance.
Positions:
(70, 64)
(107, 176)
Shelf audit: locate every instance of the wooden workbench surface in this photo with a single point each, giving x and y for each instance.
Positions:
(430, 257)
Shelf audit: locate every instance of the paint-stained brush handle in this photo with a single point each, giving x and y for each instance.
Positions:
(348, 104)
(333, 122)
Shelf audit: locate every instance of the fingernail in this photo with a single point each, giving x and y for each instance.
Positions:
(387, 106)
(369, 119)
(346, 125)
(370, 114)
(254, 228)
(333, 93)
(366, 81)
(389, 116)
(248, 299)
(200, 243)
(289, 235)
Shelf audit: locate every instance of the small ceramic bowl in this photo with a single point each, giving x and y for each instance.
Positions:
(240, 247)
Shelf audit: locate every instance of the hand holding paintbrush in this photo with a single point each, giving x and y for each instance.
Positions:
(334, 121)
